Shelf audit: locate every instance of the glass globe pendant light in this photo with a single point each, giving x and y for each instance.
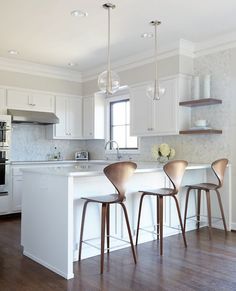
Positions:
(108, 81)
(155, 91)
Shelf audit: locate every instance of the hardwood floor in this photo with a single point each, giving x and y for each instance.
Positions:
(204, 265)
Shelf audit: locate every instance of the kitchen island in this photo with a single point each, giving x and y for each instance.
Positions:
(52, 209)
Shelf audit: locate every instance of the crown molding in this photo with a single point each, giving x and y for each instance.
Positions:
(35, 69)
(219, 43)
(182, 47)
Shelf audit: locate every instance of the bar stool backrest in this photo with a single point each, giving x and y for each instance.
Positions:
(175, 171)
(218, 168)
(118, 174)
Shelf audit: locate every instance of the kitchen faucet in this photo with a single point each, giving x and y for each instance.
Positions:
(118, 155)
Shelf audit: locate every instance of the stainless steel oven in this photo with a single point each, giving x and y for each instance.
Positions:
(5, 131)
(4, 172)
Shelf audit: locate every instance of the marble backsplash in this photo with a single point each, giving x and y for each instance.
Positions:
(29, 143)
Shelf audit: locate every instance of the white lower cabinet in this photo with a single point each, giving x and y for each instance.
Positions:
(16, 188)
(16, 192)
(69, 112)
(164, 116)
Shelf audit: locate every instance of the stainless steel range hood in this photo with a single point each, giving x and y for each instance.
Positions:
(35, 117)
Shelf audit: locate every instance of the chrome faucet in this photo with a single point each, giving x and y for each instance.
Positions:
(118, 155)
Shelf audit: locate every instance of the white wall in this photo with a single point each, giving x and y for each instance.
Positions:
(9, 78)
(168, 66)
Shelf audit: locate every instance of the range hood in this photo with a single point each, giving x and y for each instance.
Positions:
(35, 117)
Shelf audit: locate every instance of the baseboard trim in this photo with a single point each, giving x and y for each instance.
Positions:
(48, 266)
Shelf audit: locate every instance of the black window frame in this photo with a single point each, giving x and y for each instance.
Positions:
(111, 103)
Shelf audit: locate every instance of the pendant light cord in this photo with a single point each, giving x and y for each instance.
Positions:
(109, 85)
(156, 83)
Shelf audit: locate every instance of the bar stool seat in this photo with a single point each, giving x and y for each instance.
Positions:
(160, 192)
(174, 171)
(110, 198)
(118, 174)
(203, 186)
(218, 168)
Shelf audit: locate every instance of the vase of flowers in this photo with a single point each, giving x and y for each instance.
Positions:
(162, 152)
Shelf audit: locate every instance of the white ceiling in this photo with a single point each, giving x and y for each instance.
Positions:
(44, 31)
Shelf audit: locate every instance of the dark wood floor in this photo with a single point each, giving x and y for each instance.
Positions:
(204, 265)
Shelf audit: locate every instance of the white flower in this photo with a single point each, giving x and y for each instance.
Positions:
(164, 149)
(172, 153)
(155, 151)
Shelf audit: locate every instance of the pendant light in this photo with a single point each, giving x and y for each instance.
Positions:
(155, 91)
(108, 81)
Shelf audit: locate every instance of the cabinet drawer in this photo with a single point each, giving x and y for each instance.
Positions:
(4, 204)
(17, 172)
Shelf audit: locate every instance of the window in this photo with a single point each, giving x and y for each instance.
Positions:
(120, 125)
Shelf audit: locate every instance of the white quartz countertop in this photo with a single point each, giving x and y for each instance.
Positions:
(94, 168)
(46, 162)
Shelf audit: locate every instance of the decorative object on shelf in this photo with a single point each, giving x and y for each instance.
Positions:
(108, 81)
(155, 92)
(201, 123)
(162, 152)
(207, 86)
(196, 87)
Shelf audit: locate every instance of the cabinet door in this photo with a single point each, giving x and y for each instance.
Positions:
(60, 129)
(17, 192)
(88, 117)
(43, 102)
(166, 108)
(19, 99)
(141, 112)
(74, 117)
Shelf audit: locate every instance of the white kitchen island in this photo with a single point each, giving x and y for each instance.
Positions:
(52, 209)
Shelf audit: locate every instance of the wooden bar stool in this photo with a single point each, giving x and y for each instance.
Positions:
(118, 174)
(218, 168)
(175, 171)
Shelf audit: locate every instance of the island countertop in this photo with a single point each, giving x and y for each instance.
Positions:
(94, 168)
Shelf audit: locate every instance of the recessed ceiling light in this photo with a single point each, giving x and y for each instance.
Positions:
(147, 35)
(78, 13)
(13, 52)
(70, 64)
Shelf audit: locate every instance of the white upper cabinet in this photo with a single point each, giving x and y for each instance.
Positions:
(74, 117)
(69, 111)
(30, 100)
(93, 117)
(164, 116)
(141, 112)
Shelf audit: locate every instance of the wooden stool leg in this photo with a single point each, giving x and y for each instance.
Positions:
(103, 220)
(221, 210)
(186, 207)
(180, 220)
(161, 224)
(198, 207)
(82, 228)
(139, 217)
(129, 231)
(158, 220)
(209, 212)
(108, 228)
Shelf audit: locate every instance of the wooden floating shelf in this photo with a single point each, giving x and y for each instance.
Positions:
(201, 131)
(200, 102)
